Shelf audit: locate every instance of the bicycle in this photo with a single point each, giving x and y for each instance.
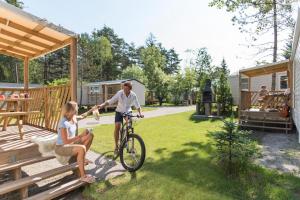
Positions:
(132, 150)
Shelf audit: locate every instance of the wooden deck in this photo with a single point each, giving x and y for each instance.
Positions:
(10, 139)
(16, 154)
(265, 120)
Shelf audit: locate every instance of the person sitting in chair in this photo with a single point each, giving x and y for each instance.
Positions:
(262, 93)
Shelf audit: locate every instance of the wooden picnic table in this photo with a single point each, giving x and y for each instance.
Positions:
(18, 108)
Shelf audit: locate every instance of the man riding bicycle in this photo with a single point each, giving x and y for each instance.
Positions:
(126, 99)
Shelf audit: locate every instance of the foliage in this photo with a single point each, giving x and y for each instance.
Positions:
(153, 65)
(287, 52)
(17, 3)
(258, 18)
(183, 84)
(62, 81)
(134, 72)
(235, 149)
(223, 94)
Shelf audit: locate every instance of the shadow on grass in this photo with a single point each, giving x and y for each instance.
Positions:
(187, 167)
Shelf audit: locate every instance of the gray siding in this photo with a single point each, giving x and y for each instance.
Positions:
(296, 68)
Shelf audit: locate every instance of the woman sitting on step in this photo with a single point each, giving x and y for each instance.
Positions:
(68, 144)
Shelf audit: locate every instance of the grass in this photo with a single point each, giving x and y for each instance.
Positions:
(112, 112)
(179, 165)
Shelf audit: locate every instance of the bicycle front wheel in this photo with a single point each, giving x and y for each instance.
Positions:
(132, 153)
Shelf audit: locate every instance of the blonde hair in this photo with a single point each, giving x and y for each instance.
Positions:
(70, 106)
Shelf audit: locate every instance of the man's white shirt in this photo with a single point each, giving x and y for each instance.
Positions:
(124, 102)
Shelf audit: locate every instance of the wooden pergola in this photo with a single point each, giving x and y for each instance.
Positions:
(266, 69)
(25, 37)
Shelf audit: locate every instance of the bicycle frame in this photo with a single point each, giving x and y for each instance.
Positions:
(126, 129)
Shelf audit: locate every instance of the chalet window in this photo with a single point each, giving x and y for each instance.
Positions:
(110, 90)
(283, 82)
(95, 89)
(244, 83)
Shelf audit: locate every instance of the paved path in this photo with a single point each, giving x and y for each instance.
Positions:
(89, 122)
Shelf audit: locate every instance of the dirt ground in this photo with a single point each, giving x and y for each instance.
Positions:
(280, 151)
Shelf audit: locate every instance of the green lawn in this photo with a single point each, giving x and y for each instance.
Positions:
(179, 165)
(112, 112)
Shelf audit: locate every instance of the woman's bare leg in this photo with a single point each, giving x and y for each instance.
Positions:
(80, 152)
(88, 142)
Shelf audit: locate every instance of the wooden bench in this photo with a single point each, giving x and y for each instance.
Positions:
(24, 183)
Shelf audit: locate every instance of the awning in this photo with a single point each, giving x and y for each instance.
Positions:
(266, 69)
(23, 35)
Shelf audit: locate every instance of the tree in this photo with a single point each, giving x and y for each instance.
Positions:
(172, 61)
(105, 57)
(134, 72)
(287, 51)
(183, 84)
(266, 16)
(176, 88)
(223, 90)
(17, 3)
(153, 64)
(235, 148)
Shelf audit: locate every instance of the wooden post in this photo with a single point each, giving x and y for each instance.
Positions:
(73, 68)
(249, 83)
(26, 74)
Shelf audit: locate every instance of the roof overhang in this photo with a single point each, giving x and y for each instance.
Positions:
(23, 35)
(266, 69)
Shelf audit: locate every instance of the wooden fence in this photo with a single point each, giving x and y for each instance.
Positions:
(275, 99)
(48, 100)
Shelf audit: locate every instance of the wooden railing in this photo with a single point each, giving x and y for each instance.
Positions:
(275, 99)
(48, 100)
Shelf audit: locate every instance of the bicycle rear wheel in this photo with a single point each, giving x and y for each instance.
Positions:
(132, 153)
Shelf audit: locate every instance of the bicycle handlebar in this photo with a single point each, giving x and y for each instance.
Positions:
(126, 114)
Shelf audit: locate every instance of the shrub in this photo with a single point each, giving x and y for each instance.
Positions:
(235, 148)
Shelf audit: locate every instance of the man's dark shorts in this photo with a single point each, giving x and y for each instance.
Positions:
(118, 117)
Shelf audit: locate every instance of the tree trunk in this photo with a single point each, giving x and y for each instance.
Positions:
(160, 99)
(275, 42)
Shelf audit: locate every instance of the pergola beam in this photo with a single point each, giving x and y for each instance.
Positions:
(8, 48)
(12, 54)
(24, 29)
(19, 45)
(25, 39)
(54, 48)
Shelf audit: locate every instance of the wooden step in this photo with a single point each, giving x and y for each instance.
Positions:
(267, 122)
(58, 191)
(265, 127)
(21, 163)
(27, 181)
(19, 153)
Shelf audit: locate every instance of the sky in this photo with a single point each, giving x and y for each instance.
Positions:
(178, 24)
